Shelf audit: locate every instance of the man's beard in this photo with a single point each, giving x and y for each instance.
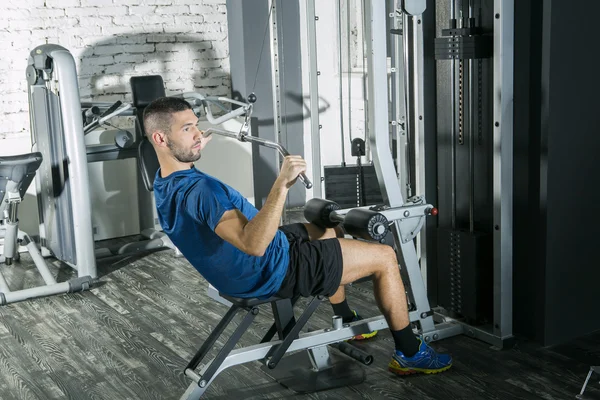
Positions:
(181, 154)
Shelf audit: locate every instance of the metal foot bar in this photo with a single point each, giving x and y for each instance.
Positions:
(75, 285)
(587, 379)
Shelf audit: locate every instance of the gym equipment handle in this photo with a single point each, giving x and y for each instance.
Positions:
(273, 145)
(354, 352)
(262, 142)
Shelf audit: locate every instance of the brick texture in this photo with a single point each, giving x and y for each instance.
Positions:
(111, 40)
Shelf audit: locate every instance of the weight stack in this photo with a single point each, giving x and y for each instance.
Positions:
(349, 187)
(465, 274)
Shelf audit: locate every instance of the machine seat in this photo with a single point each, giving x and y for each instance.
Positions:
(20, 170)
(243, 303)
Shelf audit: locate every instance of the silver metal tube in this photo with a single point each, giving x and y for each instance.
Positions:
(407, 107)
(38, 260)
(341, 94)
(263, 142)
(314, 97)
(337, 322)
(453, 129)
(418, 116)
(378, 107)
(3, 285)
(66, 74)
(87, 129)
(391, 214)
(364, 80)
(587, 379)
(243, 109)
(13, 207)
(41, 291)
(471, 125)
(10, 241)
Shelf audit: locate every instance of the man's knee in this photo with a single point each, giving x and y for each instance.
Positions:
(387, 257)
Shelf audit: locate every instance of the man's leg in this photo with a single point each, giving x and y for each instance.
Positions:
(338, 300)
(361, 259)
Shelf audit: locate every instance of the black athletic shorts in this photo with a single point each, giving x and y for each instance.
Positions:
(315, 266)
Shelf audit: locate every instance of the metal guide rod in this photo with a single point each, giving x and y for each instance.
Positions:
(275, 67)
(311, 19)
(453, 125)
(398, 103)
(418, 119)
(341, 89)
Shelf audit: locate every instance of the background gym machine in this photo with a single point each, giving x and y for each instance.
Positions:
(59, 123)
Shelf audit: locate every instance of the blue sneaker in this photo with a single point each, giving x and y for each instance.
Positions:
(426, 361)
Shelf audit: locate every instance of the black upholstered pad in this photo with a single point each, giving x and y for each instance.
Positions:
(144, 90)
(249, 302)
(148, 163)
(20, 169)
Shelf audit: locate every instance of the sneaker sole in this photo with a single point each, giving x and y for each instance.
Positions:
(365, 336)
(412, 371)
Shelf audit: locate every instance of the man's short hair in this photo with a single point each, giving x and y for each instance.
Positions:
(158, 115)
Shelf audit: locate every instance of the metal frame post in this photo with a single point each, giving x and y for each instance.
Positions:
(503, 166)
(313, 73)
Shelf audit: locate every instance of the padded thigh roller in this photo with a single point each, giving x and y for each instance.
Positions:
(366, 224)
(317, 211)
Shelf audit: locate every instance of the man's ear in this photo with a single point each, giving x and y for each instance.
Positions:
(159, 139)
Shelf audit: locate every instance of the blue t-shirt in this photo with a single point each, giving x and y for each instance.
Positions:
(190, 204)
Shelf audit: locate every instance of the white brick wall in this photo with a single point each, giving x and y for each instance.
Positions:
(185, 41)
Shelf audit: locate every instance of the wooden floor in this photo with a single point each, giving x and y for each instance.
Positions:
(130, 338)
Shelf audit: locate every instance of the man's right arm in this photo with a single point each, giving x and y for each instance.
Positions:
(253, 237)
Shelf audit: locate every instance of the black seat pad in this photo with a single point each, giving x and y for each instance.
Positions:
(20, 169)
(240, 302)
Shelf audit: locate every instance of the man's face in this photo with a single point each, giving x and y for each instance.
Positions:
(185, 140)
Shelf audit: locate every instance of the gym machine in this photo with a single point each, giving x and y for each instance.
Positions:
(16, 174)
(449, 118)
(59, 123)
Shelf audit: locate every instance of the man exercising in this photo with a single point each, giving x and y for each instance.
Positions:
(244, 252)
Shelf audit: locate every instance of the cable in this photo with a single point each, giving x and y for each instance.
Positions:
(349, 72)
(262, 47)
